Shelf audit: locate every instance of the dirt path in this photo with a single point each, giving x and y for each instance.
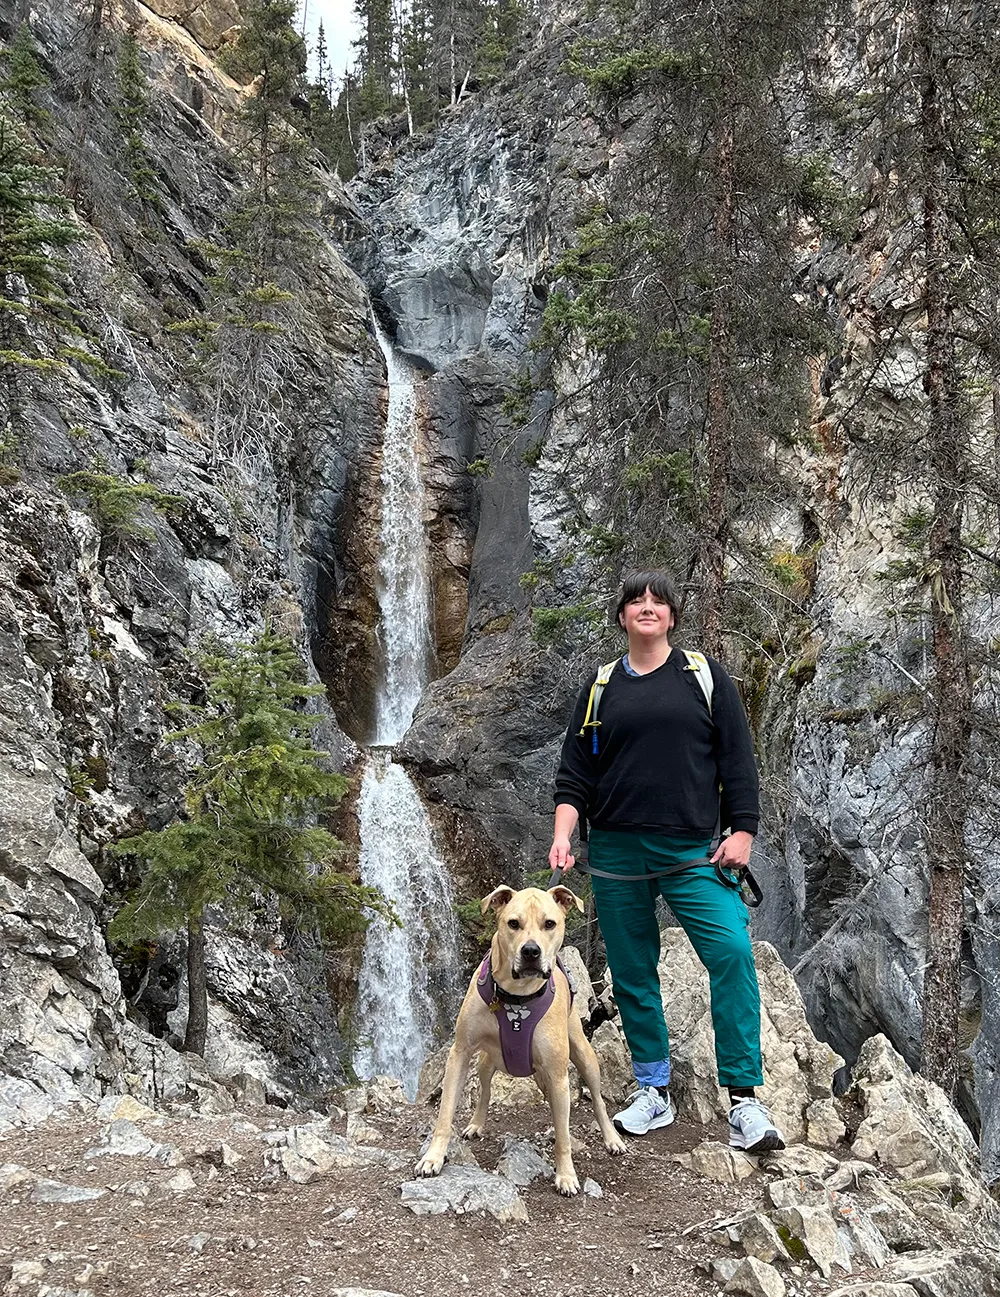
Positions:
(246, 1229)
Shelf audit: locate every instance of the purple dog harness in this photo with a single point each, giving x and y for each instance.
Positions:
(518, 1015)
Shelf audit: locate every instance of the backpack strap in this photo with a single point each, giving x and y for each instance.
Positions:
(699, 662)
(590, 721)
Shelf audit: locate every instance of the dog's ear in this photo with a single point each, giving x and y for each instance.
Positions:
(565, 899)
(497, 899)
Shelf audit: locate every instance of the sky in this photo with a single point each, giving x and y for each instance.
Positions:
(339, 27)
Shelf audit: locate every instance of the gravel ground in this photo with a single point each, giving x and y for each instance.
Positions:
(243, 1229)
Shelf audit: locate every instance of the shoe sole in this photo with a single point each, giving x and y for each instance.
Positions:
(769, 1143)
(667, 1119)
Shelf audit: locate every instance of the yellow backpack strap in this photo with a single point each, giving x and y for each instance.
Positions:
(699, 662)
(590, 721)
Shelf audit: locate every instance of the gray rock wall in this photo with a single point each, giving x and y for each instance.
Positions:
(463, 231)
(98, 630)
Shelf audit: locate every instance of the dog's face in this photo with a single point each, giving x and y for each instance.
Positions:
(530, 927)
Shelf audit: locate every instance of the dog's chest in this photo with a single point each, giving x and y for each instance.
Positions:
(516, 1020)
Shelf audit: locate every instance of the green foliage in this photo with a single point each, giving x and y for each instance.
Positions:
(23, 78)
(553, 625)
(532, 456)
(672, 470)
(33, 232)
(248, 808)
(480, 467)
(794, 570)
(472, 921)
(130, 111)
(516, 403)
(267, 247)
(114, 503)
(614, 72)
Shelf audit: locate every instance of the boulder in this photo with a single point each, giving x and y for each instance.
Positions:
(55, 1191)
(758, 1237)
(813, 1231)
(12, 1175)
(959, 1273)
(908, 1123)
(463, 1189)
(756, 1279)
(799, 1160)
(385, 1094)
(584, 998)
(521, 1162)
(617, 1077)
(825, 1127)
(717, 1161)
(309, 1152)
(123, 1106)
(798, 1068)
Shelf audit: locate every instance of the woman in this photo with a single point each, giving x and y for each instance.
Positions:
(648, 778)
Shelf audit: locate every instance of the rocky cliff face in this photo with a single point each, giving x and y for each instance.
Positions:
(98, 627)
(462, 233)
(454, 234)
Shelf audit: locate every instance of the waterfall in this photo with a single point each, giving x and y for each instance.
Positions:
(406, 972)
(404, 586)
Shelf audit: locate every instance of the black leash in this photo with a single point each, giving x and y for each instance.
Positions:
(735, 882)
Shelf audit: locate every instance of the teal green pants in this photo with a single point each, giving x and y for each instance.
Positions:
(715, 920)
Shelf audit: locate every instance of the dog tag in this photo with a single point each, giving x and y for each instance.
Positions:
(494, 1005)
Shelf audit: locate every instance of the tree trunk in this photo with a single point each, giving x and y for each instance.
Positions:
(951, 689)
(715, 527)
(93, 25)
(197, 1023)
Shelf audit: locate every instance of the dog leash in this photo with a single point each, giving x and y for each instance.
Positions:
(736, 883)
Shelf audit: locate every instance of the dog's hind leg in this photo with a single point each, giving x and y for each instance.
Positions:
(485, 1078)
(581, 1051)
(451, 1089)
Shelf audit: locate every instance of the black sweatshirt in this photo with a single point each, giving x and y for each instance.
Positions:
(662, 755)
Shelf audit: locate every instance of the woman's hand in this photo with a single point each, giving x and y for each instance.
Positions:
(734, 851)
(560, 855)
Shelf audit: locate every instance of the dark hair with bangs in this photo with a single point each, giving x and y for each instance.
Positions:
(635, 584)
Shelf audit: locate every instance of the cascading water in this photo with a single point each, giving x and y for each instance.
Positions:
(406, 972)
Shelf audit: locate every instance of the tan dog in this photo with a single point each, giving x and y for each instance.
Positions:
(530, 927)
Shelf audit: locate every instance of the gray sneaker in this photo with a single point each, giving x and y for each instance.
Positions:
(751, 1127)
(648, 1110)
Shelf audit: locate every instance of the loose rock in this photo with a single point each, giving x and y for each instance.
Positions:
(815, 1229)
(717, 1162)
(756, 1279)
(521, 1162)
(461, 1189)
(55, 1191)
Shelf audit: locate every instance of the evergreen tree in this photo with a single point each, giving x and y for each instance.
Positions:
(376, 18)
(33, 230)
(249, 826)
(267, 240)
(23, 78)
(130, 111)
(682, 284)
(930, 131)
(82, 70)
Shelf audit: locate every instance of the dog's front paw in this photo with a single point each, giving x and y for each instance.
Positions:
(567, 1185)
(429, 1165)
(615, 1144)
(472, 1131)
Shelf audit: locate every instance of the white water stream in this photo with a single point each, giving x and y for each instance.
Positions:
(406, 972)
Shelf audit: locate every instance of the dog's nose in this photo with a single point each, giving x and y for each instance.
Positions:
(531, 950)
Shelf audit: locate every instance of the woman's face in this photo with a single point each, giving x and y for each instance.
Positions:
(647, 617)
